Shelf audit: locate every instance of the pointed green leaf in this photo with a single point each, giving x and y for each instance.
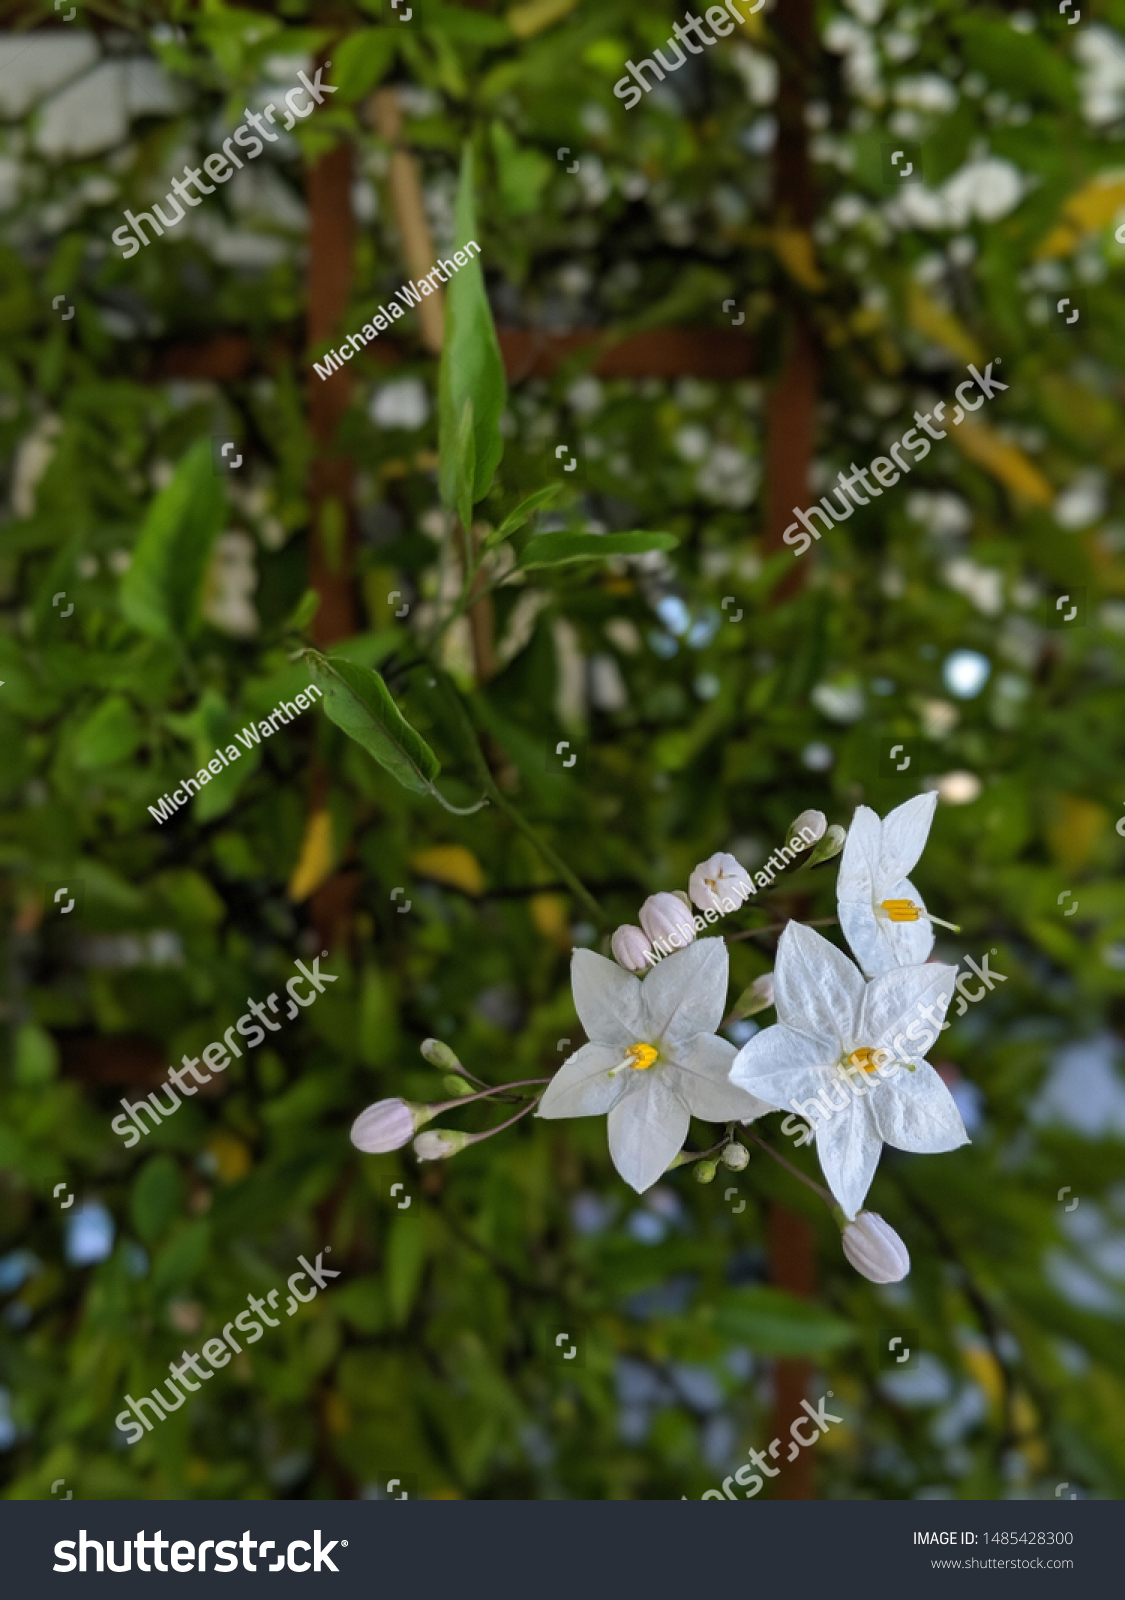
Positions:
(466, 466)
(471, 365)
(161, 591)
(358, 701)
(304, 611)
(109, 735)
(554, 549)
(361, 61)
(523, 513)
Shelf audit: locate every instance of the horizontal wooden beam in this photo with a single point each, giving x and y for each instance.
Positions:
(717, 353)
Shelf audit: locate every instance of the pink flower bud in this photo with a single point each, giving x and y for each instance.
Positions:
(875, 1249)
(720, 878)
(631, 949)
(387, 1125)
(664, 918)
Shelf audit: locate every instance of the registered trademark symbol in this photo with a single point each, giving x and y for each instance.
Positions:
(343, 1541)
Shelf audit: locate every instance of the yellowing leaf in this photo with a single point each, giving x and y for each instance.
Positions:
(536, 15)
(933, 322)
(451, 864)
(1084, 212)
(1005, 461)
(1075, 826)
(983, 1366)
(794, 249)
(315, 861)
(231, 1155)
(548, 913)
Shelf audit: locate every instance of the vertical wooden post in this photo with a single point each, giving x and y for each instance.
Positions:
(410, 213)
(791, 415)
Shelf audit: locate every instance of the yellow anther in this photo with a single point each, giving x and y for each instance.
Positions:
(864, 1059)
(901, 910)
(907, 911)
(641, 1056)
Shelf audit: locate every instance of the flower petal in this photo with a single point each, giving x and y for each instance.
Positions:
(849, 1147)
(686, 994)
(897, 1001)
(865, 936)
(817, 990)
(702, 1080)
(779, 1065)
(647, 1130)
(859, 863)
(904, 835)
(915, 1111)
(608, 1001)
(582, 1086)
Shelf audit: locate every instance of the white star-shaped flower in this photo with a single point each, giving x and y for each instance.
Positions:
(862, 1044)
(881, 912)
(654, 1060)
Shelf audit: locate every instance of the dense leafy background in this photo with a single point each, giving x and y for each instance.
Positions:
(429, 1359)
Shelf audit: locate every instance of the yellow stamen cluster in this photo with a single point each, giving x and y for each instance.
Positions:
(901, 910)
(864, 1059)
(907, 911)
(641, 1056)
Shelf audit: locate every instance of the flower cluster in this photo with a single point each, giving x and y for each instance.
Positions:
(654, 1058)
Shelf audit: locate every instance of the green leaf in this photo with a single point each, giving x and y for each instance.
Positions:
(157, 1198)
(523, 172)
(523, 513)
(406, 1256)
(362, 61)
(774, 1323)
(36, 1056)
(161, 591)
(304, 611)
(182, 1257)
(466, 466)
(471, 365)
(108, 736)
(358, 701)
(555, 549)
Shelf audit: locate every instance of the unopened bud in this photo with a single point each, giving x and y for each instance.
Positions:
(457, 1086)
(440, 1143)
(705, 1171)
(813, 823)
(831, 845)
(734, 1155)
(631, 949)
(875, 1249)
(754, 999)
(388, 1125)
(663, 916)
(440, 1055)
